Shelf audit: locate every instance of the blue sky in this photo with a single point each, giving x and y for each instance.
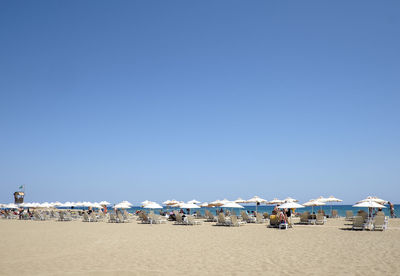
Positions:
(156, 100)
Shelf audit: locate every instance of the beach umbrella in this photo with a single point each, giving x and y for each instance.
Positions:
(189, 206)
(56, 204)
(122, 205)
(289, 199)
(167, 202)
(153, 205)
(240, 200)
(369, 204)
(216, 203)
(257, 200)
(204, 204)
(331, 199)
(11, 206)
(290, 205)
(97, 205)
(314, 202)
(127, 203)
(146, 202)
(45, 205)
(232, 205)
(375, 199)
(173, 202)
(106, 203)
(193, 201)
(275, 201)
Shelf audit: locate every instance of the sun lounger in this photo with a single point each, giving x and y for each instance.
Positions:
(380, 223)
(266, 216)
(246, 217)
(358, 223)
(349, 215)
(210, 217)
(221, 220)
(38, 216)
(259, 218)
(320, 219)
(304, 218)
(85, 217)
(334, 214)
(112, 218)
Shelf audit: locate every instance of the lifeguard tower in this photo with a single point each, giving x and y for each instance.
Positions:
(19, 197)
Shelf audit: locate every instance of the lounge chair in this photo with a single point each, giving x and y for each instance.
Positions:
(380, 223)
(266, 216)
(221, 220)
(259, 218)
(349, 215)
(112, 218)
(304, 218)
(246, 217)
(210, 217)
(358, 223)
(38, 216)
(334, 214)
(85, 217)
(320, 219)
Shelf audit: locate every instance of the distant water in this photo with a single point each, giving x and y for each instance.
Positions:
(263, 208)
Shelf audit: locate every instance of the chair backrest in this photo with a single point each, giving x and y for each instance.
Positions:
(245, 216)
(85, 216)
(190, 220)
(358, 221)
(266, 215)
(379, 221)
(234, 220)
(334, 213)
(221, 218)
(179, 218)
(304, 217)
(349, 214)
(120, 217)
(93, 216)
(112, 217)
(320, 217)
(258, 218)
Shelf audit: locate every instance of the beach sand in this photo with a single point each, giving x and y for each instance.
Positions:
(78, 248)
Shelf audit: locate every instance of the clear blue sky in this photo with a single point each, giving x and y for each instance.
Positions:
(135, 100)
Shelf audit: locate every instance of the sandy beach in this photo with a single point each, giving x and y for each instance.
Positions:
(78, 248)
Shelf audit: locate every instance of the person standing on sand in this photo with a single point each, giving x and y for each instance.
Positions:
(392, 214)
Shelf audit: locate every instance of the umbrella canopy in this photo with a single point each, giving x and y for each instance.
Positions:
(204, 204)
(146, 202)
(193, 202)
(97, 205)
(106, 203)
(122, 205)
(291, 205)
(289, 199)
(188, 206)
(275, 201)
(167, 202)
(256, 199)
(373, 198)
(314, 202)
(153, 205)
(240, 200)
(332, 199)
(369, 204)
(11, 206)
(216, 203)
(56, 204)
(45, 205)
(232, 205)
